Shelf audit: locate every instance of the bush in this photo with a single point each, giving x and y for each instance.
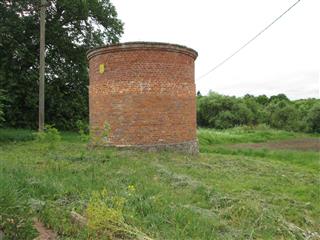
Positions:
(221, 112)
(224, 119)
(104, 211)
(284, 116)
(105, 216)
(100, 137)
(83, 130)
(50, 135)
(313, 119)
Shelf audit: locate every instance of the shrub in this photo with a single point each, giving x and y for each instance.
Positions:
(100, 136)
(50, 134)
(242, 115)
(83, 130)
(105, 217)
(313, 119)
(221, 112)
(104, 211)
(284, 116)
(223, 120)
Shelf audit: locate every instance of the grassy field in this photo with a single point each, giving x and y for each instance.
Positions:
(224, 193)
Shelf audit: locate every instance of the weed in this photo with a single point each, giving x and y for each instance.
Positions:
(223, 193)
(105, 217)
(105, 211)
(13, 212)
(98, 136)
(50, 135)
(83, 130)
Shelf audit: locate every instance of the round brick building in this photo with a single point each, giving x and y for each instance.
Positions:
(145, 92)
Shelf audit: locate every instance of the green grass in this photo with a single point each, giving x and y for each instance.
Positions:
(15, 135)
(258, 134)
(220, 194)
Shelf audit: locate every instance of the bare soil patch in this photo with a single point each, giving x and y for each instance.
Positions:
(302, 144)
(44, 233)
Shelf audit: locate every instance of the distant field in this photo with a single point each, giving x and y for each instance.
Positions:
(241, 186)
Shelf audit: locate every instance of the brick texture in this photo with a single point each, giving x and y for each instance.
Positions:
(146, 93)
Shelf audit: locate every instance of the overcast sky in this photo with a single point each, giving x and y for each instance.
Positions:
(285, 59)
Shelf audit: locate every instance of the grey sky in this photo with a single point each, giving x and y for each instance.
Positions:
(285, 59)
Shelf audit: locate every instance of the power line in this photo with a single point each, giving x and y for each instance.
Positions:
(247, 43)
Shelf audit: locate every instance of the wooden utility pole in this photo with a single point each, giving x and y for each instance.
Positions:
(42, 63)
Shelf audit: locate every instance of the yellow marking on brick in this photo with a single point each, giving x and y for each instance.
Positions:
(101, 68)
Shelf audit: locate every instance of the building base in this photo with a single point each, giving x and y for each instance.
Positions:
(190, 147)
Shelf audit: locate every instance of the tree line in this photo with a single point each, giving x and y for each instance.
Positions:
(221, 112)
(72, 28)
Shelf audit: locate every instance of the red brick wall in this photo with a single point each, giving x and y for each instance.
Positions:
(146, 93)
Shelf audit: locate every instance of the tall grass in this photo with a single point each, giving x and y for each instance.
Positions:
(244, 134)
(15, 135)
(216, 195)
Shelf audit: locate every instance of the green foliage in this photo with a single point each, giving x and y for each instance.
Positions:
(83, 130)
(16, 135)
(222, 112)
(215, 111)
(50, 134)
(100, 136)
(72, 27)
(106, 129)
(262, 100)
(256, 134)
(283, 115)
(279, 97)
(224, 193)
(15, 214)
(313, 119)
(104, 213)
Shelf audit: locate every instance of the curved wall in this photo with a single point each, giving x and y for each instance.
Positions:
(146, 93)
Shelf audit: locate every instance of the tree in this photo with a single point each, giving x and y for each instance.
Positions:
(218, 111)
(71, 30)
(313, 119)
(210, 111)
(242, 114)
(225, 119)
(262, 100)
(279, 97)
(256, 111)
(284, 116)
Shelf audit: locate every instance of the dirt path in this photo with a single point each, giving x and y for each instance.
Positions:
(44, 233)
(302, 144)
